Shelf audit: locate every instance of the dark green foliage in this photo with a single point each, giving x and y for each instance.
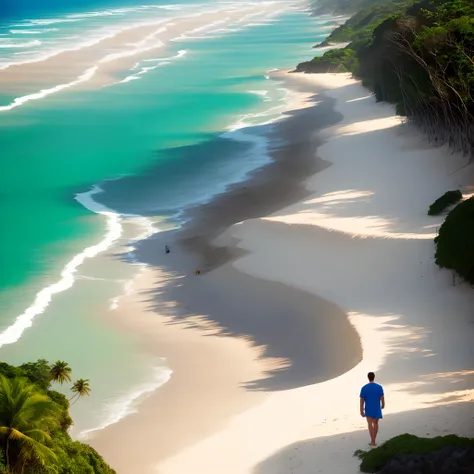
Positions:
(417, 55)
(447, 199)
(360, 27)
(36, 372)
(455, 241)
(65, 421)
(343, 6)
(421, 60)
(335, 60)
(358, 31)
(8, 370)
(78, 458)
(73, 457)
(60, 372)
(375, 459)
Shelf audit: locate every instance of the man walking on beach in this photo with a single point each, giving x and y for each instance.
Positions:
(372, 402)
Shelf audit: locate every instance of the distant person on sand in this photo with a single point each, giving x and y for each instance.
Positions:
(372, 402)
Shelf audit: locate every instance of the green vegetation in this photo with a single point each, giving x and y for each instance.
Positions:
(360, 27)
(335, 60)
(27, 417)
(447, 199)
(343, 6)
(375, 459)
(417, 55)
(34, 422)
(454, 244)
(60, 372)
(358, 31)
(80, 388)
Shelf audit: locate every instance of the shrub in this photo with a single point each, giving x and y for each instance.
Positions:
(447, 199)
(455, 241)
(375, 459)
(36, 372)
(73, 457)
(78, 458)
(65, 421)
(334, 60)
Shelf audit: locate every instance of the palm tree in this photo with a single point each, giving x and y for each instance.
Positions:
(60, 372)
(26, 417)
(80, 388)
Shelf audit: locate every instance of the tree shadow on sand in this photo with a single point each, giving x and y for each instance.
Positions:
(294, 331)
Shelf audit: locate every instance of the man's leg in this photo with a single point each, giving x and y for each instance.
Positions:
(371, 429)
(376, 427)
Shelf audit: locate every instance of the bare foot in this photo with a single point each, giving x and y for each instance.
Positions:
(372, 444)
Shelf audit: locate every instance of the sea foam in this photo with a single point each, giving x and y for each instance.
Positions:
(32, 32)
(143, 70)
(49, 21)
(126, 404)
(43, 298)
(113, 232)
(26, 44)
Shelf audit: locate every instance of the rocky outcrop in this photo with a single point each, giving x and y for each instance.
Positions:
(449, 460)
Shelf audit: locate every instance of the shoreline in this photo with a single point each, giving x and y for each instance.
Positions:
(203, 392)
(96, 387)
(404, 309)
(276, 363)
(95, 64)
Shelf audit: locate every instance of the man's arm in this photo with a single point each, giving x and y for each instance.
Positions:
(362, 413)
(382, 400)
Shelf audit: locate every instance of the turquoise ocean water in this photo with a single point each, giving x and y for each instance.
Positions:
(164, 135)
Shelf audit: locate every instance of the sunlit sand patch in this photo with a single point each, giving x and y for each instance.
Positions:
(360, 98)
(356, 226)
(366, 126)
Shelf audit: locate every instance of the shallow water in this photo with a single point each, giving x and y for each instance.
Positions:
(171, 136)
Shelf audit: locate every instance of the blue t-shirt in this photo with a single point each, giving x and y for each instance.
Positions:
(371, 394)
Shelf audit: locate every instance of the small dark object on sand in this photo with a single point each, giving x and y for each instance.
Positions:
(167, 249)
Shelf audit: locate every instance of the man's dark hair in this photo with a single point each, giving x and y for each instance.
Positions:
(371, 376)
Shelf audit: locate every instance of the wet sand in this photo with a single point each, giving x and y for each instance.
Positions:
(231, 339)
(102, 59)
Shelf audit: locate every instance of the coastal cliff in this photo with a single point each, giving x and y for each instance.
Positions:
(417, 56)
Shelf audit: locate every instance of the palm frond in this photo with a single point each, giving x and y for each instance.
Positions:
(40, 452)
(60, 372)
(25, 420)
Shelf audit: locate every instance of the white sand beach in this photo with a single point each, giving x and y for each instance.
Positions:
(244, 246)
(363, 241)
(264, 347)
